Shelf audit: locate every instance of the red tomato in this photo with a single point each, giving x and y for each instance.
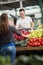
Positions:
(30, 44)
(38, 44)
(31, 40)
(39, 40)
(34, 39)
(35, 43)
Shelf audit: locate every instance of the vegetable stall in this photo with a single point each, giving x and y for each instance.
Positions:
(34, 42)
(30, 51)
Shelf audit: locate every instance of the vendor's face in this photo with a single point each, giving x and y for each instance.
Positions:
(22, 13)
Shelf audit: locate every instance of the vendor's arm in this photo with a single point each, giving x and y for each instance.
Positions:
(17, 24)
(32, 24)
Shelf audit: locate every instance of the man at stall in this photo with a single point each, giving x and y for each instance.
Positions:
(24, 21)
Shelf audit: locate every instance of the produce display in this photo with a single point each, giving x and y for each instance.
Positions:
(21, 43)
(36, 33)
(35, 42)
(21, 37)
(35, 38)
(20, 40)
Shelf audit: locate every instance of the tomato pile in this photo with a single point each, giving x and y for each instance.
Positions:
(21, 37)
(35, 42)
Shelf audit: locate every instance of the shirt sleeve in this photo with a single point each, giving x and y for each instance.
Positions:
(13, 29)
(17, 22)
(30, 19)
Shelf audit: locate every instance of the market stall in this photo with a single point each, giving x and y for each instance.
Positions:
(34, 42)
(33, 51)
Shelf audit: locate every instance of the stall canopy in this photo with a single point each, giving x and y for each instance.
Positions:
(16, 4)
